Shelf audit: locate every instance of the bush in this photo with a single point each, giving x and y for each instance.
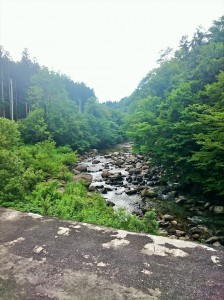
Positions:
(12, 182)
(75, 204)
(34, 129)
(9, 134)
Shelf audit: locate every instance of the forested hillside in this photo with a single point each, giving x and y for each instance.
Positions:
(47, 104)
(176, 114)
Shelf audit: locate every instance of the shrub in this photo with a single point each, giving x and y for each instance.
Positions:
(75, 204)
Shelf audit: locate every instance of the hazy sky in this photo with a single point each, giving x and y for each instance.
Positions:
(108, 44)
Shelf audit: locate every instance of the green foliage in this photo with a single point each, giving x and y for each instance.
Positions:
(26, 183)
(107, 132)
(34, 129)
(209, 159)
(45, 157)
(22, 168)
(9, 134)
(182, 127)
(75, 204)
(12, 182)
(51, 105)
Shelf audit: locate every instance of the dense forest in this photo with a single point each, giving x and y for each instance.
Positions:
(47, 104)
(175, 116)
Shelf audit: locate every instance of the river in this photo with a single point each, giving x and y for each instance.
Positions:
(129, 181)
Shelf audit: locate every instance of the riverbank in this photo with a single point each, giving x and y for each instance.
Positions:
(129, 181)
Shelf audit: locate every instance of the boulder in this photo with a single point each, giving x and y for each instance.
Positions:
(195, 236)
(127, 167)
(151, 193)
(180, 199)
(194, 230)
(180, 233)
(163, 232)
(173, 222)
(203, 228)
(115, 176)
(207, 204)
(130, 159)
(218, 209)
(131, 170)
(110, 203)
(211, 208)
(145, 167)
(105, 173)
(163, 223)
(81, 168)
(216, 244)
(144, 173)
(212, 240)
(119, 162)
(192, 201)
(168, 217)
(131, 191)
(135, 182)
(138, 165)
(148, 193)
(95, 161)
(85, 178)
(76, 172)
(92, 188)
(137, 171)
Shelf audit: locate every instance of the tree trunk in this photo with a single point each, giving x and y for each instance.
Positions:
(2, 107)
(11, 99)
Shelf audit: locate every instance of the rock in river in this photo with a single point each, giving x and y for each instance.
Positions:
(81, 168)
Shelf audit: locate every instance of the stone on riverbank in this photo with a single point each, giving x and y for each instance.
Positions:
(211, 240)
(168, 217)
(85, 178)
(218, 209)
(148, 193)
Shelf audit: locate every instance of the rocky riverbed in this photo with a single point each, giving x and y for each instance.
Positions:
(129, 181)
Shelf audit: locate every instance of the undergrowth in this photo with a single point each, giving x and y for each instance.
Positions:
(74, 203)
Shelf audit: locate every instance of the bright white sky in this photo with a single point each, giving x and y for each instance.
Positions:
(108, 44)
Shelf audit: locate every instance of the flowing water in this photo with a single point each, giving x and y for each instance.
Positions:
(189, 214)
(115, 194)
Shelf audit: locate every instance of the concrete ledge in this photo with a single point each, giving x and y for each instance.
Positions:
(48, 258)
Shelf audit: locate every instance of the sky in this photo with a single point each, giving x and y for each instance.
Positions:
(110, 45)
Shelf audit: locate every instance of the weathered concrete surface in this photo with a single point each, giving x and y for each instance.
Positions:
(47, 258)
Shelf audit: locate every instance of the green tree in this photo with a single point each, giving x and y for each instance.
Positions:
(34, 129)
(9, 134)
(179, 122)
